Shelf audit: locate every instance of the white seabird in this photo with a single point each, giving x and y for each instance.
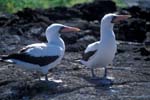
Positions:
(101, 53)
(41, 57)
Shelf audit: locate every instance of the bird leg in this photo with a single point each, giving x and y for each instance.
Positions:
(104, 81)
(105, 73)
(93, 74)
(39, 76)
(46, 77)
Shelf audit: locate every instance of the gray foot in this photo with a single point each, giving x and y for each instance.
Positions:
(102, 81)
(92, 72)
(46, 77)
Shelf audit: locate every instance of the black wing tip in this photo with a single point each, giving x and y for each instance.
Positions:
(7, 57)
(3, 57)
(86, 56)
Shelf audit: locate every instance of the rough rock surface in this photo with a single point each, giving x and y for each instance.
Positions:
(130, 74)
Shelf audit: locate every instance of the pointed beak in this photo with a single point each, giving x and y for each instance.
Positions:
(119, 18)
(69, 29)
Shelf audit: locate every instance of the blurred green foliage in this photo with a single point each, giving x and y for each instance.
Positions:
(12, 6)
(120, 3)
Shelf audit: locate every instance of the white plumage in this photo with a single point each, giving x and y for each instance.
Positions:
(92, 47)
(41, 57)
(41, 50)
(101, 53)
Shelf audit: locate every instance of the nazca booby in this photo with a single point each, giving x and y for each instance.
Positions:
(101, 53)
(41, 57)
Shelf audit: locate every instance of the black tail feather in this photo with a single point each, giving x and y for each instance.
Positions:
(3, 57)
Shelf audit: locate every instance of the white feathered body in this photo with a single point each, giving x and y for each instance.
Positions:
(106, 49)
(41, 50)
(104, 55)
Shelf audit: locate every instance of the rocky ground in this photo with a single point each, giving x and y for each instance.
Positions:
(71, 80)
(130, 74)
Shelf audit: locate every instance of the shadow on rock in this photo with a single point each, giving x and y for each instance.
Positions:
(28, 89)
(97, 81)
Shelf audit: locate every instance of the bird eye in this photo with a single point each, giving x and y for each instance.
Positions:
(60, 30)
(113, 18)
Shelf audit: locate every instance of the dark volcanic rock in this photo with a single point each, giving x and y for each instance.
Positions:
(133, 30)
(70, 38)
(130, 75)
(63, 13)
(81, 44)
(138, 12)
(7, 19)
(97, 9)
(30, 15)
(84, 16)
(144, 52)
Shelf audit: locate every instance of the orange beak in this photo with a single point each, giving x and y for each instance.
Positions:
(119, 18)
(69, 29)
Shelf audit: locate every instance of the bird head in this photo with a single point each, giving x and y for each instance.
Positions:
(60, 28)
(54, 31)
(113, 18)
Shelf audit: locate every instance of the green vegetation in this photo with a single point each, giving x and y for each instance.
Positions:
(120, 3)
(12, 6)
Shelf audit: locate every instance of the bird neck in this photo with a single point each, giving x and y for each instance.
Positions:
(107, 33)
(55, 40)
